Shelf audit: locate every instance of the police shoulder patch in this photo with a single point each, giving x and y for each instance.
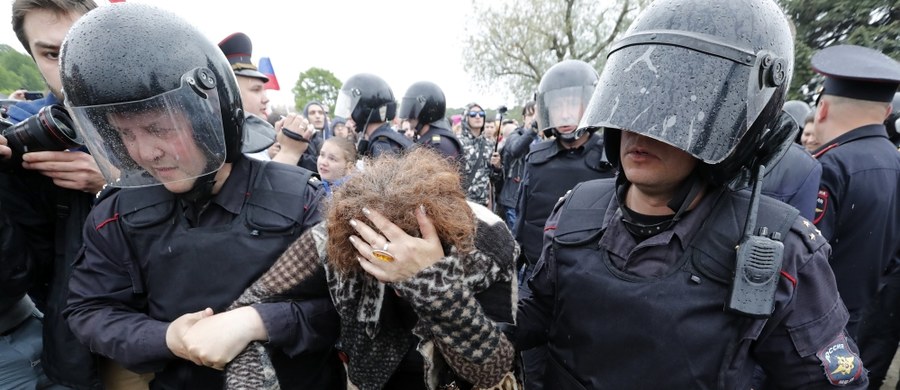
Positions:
(821, 205)
(842, 366)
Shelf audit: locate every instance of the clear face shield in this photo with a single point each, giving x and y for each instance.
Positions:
(562, 107)
(410, 107)
(172, 137)
(346, 102)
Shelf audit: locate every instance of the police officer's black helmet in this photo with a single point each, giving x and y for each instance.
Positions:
(798, 110)
(114, 55)
(423, 101)
(563, 95)
(366, 98)
(708, 78)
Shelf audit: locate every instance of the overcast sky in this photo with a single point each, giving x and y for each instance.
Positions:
(403, 41)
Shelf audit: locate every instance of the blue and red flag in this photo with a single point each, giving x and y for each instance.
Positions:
(265, 67)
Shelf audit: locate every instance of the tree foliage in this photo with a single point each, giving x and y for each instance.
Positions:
(17, 71)
(823, 23)
(316, 84)
(511, 44)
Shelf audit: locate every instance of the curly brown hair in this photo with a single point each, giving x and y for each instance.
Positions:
(395, 186)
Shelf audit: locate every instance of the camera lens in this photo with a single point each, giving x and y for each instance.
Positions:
(50, 129)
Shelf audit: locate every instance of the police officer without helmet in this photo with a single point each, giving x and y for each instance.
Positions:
(664, 277)
(858, 208)
(424, 106)
(192, 221)
(369, 101)
(258, 133)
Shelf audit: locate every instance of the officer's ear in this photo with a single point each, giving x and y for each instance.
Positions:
(822, 110)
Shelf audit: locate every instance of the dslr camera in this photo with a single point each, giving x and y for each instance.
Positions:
(51, 129)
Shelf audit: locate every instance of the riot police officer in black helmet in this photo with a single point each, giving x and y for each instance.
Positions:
(424, 106)
(369, 101)
(191, 221)
(684, 281)
(569, 156)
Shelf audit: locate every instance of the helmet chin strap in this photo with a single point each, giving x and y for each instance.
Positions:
(569, 138)
(679, 204)
(202, 189)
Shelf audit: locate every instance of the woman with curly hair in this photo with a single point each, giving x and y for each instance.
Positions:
(423, 280)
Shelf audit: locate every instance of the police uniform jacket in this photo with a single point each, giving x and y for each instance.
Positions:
(616, 313)
(858, 210)
(795, 180)
(386, 140)
(550, 171)
(143, 267)
(442, 141)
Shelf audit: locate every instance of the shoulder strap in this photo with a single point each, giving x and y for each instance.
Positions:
(722, 232)
(385, 132)
(282, 189)
(447, 134)
(541, 152)
(582, 210)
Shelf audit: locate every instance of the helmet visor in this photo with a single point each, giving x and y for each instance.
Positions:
(346, 102)
(562, 107)
(410, 107)
(702, 104)
(171, 137)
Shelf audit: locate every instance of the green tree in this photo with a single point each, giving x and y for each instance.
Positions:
(316, 84)
(823, 23)
(511, 44)
(17, 71)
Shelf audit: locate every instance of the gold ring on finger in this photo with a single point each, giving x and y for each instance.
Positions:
(384, 256)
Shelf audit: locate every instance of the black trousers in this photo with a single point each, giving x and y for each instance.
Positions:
(879, 331)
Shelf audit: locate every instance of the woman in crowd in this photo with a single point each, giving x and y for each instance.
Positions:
(423, 280)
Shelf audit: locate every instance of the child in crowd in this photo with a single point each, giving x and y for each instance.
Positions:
(336, 161)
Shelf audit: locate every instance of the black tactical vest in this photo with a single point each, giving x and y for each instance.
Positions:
(385, 133)
(436, 135)
(191, 268)
(610, 326)
(550, 174)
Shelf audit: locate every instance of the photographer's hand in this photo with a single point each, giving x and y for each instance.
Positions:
(292, 149)
(73, 170)
(5, 151)
(19, 94)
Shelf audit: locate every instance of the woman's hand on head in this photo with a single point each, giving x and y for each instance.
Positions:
(376, 247)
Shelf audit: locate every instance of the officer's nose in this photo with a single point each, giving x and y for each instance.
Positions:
(149, 149)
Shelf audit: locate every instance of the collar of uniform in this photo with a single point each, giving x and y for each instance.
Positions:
(874, 130)
(619, 241)
(573, 151)
(236, 187)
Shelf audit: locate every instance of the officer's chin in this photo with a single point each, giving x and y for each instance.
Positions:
(180, 186)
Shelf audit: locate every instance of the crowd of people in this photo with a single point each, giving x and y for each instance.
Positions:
(668, 222)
